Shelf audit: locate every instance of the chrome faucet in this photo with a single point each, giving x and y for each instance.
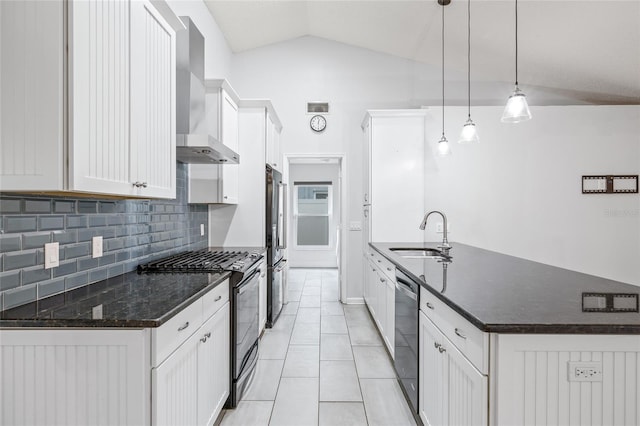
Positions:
(445, 247)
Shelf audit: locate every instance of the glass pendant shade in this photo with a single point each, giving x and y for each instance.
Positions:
(444, 150)
(517, 109)
(469, 133)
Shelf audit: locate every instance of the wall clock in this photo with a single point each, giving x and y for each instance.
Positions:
(318, 123)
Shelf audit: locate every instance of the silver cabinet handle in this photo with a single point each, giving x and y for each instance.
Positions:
(225, 197)
(460, 334)
(441, 349)
(185, 325)
(382, 280)
(430, 306)
(371, 254)
(218, 298)
(207, 335)
(436, 345)
(143, 184)
(203, 339)
(140, 184)
(388, 269)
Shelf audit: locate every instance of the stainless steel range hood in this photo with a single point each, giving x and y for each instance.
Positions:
(194, 144)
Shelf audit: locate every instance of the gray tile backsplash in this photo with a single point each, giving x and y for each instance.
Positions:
(133, 231)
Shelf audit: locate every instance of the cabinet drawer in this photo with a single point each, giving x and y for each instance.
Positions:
(470, 340)
(383, 265)
(215, 299)
(174, 332)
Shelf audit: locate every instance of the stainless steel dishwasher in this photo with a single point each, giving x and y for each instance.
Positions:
(406, 337)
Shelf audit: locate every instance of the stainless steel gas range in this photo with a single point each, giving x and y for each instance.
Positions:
(244, 288)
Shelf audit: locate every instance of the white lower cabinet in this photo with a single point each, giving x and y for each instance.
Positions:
(262, 290)
(176, 374)
(380, 297)
(452, 391)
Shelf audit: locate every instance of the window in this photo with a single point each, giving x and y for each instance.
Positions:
(312, 211)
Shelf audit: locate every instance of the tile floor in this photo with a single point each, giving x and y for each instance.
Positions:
(323, 363)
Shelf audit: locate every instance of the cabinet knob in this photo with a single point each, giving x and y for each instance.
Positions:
(442, 349)
(225, 197)
(203, 339)
(388, 269)
(207, 335)
(382, 280)
(436, 345)
(430, 306)
(143, 184)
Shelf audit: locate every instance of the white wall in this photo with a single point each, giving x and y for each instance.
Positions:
(321, 258)
(519, 190)
(217, 53)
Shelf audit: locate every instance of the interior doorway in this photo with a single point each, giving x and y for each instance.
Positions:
(316, 212)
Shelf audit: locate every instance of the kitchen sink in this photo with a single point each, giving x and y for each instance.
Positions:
(417, 253)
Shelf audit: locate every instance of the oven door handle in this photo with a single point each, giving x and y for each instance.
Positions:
(406, 292)
(244, 287)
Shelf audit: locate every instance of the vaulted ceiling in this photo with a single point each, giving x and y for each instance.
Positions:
(586, 48)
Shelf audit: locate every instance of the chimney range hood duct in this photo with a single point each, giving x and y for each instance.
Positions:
(193, 142)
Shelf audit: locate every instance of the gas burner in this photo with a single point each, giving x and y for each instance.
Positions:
(201, 261)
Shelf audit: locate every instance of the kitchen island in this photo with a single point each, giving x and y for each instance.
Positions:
(505, 341)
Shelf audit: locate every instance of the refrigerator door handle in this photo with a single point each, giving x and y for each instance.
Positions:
(283, 241)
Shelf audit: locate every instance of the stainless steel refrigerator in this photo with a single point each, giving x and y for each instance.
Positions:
(276, 243)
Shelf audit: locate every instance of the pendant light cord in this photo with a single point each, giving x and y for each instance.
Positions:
(516, 43)
(443, 70)
(469, 55)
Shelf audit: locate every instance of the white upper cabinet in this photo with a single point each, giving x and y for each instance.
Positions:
(117, 96)
(393, 191)
(272, 143)
(218, 184)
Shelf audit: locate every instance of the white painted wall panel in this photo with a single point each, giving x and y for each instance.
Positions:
(76, 377)
(533, 384)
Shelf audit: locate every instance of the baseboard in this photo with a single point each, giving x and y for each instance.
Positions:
(354, 301)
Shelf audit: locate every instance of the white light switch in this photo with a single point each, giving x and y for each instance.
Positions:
(96, 247)
(201, 229)
(440, 227)
(51, 255)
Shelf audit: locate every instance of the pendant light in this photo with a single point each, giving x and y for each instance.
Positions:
(469, 132)
(517, 109)
(444, 149)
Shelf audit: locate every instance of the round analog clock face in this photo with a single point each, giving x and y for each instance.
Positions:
(318, 123)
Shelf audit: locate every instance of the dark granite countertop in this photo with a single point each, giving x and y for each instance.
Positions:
(130, 300)
(506, 294)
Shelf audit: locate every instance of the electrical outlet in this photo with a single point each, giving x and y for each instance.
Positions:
(96, 244)
(355, 226)
(96, 312)
(201, 229)
(51, 255)
(585, 371)
(440, 227)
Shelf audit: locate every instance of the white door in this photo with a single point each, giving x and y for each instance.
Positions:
(315, 215)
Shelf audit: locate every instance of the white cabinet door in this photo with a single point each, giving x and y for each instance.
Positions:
(175, 386)
(32, 100)
(468, 391)
(99, 76)
(452, 391)
(381, 303)
(153, 50)
(390, 321)
(213, 366)
(433, 380)
(229, 173)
